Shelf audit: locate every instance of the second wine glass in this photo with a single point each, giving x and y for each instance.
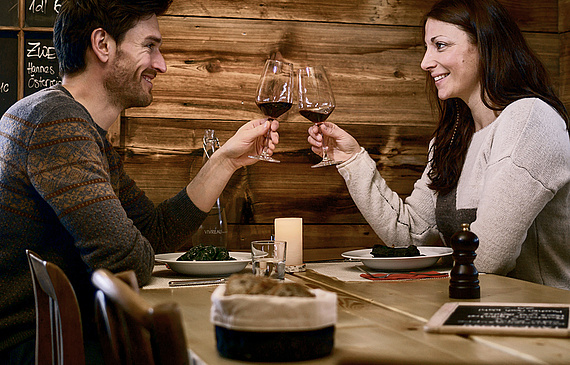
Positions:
(274, 96)
(316, 102)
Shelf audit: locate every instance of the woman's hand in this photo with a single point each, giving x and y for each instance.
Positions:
(342, 145)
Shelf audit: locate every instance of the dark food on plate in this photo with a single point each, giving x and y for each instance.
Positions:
(384, 251)
(206, 253)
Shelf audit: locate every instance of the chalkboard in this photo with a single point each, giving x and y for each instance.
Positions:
(41, 13)
(508, 316)
(41, 68)
(8, 70)
(533, 319)
(9, 12)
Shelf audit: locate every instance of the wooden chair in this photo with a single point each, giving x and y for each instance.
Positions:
(59, 334)
(130, 330)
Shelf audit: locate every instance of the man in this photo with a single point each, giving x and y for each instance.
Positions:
(63, 191)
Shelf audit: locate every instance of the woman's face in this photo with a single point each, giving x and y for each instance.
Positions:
(452, 60)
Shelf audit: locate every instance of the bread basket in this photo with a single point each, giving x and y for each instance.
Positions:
(272, 328)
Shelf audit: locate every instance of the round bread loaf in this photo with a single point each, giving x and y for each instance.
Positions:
(251, 284)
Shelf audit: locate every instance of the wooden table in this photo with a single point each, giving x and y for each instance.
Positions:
(382, 322)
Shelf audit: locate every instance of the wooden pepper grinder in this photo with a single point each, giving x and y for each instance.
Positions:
(464, 281)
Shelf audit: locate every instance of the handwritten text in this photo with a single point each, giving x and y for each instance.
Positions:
(41, 6)
(37, 50)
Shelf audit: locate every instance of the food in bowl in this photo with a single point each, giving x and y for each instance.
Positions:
(258, 285)
(263, 319)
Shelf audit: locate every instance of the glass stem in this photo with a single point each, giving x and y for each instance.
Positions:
(267, 138)
(325, 147)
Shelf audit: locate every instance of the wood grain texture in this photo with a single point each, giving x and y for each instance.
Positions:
(164, 168)
(215, 50)
(530, 15)
(563, 16)
(214, 67)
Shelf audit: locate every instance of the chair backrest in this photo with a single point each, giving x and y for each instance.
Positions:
(133, 332)
(59, 334)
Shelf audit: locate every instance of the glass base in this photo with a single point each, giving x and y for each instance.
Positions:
(264, 158)
(295, 268)
(324, 163)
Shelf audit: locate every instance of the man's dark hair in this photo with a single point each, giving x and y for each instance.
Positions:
(77, 19)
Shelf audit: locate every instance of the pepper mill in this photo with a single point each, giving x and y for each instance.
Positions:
(464, 281)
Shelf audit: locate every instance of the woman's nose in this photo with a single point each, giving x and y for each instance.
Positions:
(427, 61)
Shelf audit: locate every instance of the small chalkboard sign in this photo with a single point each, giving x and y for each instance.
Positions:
(520, 319)
(9, 13)
(41, 13)
(8, 70)
(41, 68)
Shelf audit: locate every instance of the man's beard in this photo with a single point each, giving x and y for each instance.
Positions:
(123, 86)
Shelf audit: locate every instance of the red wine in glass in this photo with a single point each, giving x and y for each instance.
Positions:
(274, 109)
(317, 115)
(274, 96)
(316, 102)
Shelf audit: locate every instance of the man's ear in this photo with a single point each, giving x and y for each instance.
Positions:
(102, 44)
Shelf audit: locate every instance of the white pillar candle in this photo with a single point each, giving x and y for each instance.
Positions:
(291, 231)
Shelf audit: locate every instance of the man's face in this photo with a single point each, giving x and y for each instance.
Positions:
(136, 63)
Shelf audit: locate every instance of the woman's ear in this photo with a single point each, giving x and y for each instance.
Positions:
(102, 44)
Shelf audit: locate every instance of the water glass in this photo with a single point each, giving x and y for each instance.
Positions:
(268, 258)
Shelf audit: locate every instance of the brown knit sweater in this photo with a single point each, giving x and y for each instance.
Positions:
(64, 194)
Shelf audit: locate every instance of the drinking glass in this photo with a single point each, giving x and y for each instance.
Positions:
(274, 96)
(316, 102)
(268, 258)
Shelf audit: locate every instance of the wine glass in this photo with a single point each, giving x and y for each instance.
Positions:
(316, 102)
(274, 96)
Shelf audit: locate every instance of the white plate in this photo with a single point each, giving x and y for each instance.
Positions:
(429, 257)
(203, 268)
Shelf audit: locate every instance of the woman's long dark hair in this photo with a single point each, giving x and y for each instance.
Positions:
(509, 71)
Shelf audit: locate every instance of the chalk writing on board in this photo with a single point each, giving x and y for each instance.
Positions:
(39, 50)
(509, 316)
(41, 66)
(42, 12)
(41, 6)
(8, 70)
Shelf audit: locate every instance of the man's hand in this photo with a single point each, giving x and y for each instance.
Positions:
(249, 140)
(212, 178)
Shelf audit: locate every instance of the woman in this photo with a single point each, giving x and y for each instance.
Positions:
(499, 158)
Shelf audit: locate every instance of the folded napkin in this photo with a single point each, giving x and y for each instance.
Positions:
(406, 275)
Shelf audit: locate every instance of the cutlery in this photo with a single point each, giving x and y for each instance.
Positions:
(385, 275)
(192, 282)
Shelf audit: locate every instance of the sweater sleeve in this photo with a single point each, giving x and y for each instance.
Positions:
(395, 221)
(168, 225)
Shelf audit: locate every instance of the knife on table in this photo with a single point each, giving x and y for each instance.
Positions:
(192, 282)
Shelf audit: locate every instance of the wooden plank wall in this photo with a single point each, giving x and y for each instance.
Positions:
(215, 50)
